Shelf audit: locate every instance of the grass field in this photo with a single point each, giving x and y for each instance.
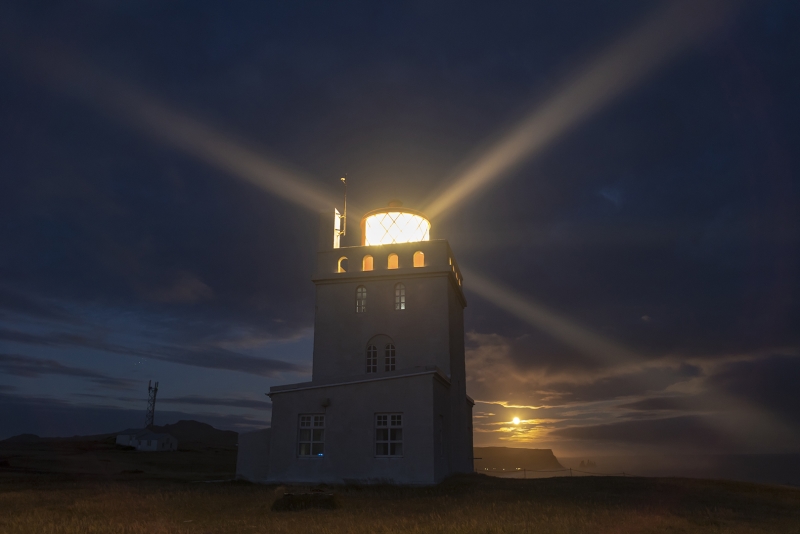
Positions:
(94, 487)
(475, 504)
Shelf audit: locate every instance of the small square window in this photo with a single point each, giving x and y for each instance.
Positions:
(311, 436)
(388, 435)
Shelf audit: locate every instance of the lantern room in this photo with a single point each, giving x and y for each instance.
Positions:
(394, 224)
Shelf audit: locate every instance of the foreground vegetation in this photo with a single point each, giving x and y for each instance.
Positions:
(65, 503)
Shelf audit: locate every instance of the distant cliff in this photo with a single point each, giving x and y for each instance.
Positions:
(509, 459)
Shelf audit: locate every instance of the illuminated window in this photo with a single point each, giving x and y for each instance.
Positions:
(361, 299)
(399, 297)
(389, 357)
(392, 261)
(419, 259)
(366, 265)
(388, 434)
(372, 359)
(341, 266)
(311, 435)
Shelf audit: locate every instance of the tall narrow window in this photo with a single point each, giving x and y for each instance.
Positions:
(419, 259)
(393, 261)
(341, 266)
(361, 299)
(311, 435)
(372, 359)
(367, 263)
(388, 434)
(399, 297)
(389, 357)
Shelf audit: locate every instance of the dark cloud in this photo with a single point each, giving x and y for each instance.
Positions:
(214, 358)
(677, 202)
(685, 432)
(644, 381)
(212, 401)
(28, 367)
(658, 404)
(769, 382)
(211, 358)
(198, 400)
(496, 374)
(46, 416)
(13, 303)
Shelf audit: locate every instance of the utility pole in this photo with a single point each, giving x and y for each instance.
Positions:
(152, 391)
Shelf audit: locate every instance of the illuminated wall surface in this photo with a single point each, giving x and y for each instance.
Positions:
(395, 227)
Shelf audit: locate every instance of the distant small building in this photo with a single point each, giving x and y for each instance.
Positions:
(144, 440)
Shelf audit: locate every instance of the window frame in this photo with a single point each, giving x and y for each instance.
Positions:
(372, 358)
(390, 357)
(418, 255)
(395, 264)
(361, 299)
(368, 261)
(399, 296)
(311, 428)
(389, 421)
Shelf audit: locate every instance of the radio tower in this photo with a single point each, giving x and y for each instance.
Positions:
(152, 391)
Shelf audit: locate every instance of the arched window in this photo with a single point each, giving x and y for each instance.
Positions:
(341, 266)
(372, 359)
(419, 259)
(361, 299)
(367, 264)
(399, 297)
(393, 261)
(389, 357)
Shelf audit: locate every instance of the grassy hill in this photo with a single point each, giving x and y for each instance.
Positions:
(465, 504)
(77, 485)
(203, 453)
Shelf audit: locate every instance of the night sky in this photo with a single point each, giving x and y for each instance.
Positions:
(618, 181)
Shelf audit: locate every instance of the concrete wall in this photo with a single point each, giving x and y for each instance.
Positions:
(461, 410)
(252, 456)
(422, 333)
(428, 332)
(350, 432)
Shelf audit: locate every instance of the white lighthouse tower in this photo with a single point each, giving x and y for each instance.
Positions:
(387, 401)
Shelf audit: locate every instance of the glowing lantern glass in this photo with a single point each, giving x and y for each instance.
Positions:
(394, 225)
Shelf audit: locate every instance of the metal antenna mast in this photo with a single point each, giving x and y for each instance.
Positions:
(343, 231)
(152, 391)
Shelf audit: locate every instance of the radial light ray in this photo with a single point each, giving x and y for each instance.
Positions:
(548, 321)
(666, 33)
(747, 415)
(135, 108)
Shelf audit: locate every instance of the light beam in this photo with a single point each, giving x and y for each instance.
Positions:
(134, 108)
(745, 414)
(666, 33)
(548, 320)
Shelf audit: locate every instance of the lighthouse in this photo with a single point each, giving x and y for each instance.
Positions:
(387, 400)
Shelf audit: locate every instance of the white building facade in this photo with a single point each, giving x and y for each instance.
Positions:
(387, 401)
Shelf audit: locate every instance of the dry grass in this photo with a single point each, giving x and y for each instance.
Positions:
(472, 504)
